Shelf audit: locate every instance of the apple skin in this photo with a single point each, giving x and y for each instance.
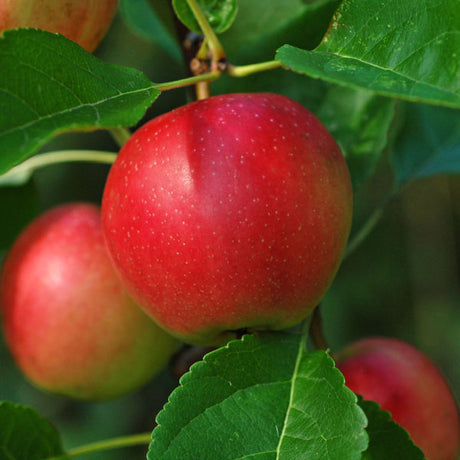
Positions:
(83, 21)
(409, 386)
(70, 325)
(228, 214)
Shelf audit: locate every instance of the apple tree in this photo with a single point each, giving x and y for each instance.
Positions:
(230, 229)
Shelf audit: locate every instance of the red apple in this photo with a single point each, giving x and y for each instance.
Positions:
(67, 319)
(228, 214)
(83, 21)
(409, 386)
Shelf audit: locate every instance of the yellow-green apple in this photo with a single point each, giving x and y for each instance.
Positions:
(69, 323)
(406, 383)
(228, 214)
(83, 21)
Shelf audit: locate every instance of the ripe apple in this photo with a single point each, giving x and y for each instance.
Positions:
(228, 214)
(69, 323)
(409, 386)
(83, 21)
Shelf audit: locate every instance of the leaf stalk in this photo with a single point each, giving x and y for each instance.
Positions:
(23, 171)
(244, 70)
(108, 444)
(210, 76)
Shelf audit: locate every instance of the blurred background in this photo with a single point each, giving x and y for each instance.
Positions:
(402, 281)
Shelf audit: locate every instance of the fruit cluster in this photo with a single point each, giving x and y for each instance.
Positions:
(218, 220)
(226, 215)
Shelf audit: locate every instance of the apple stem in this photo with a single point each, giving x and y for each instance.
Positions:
(20, 173)
(317, 331)
(215, 47)
(108, 444)
(202, 90)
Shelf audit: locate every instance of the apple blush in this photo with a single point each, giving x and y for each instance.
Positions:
(407, 384)
(228, 214)
(83, 21)
(69, 323)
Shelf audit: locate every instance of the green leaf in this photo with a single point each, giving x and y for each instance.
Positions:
(26, 435)
(428, 145)
(360, 122)
(264, 398)
(407, 50)
(144, 20)
(387, 439)
(49, 85)
(219, 13)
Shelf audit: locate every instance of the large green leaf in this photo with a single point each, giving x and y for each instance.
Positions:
(49, 85)
(405, 49)
(428, 145)
(143, 19)
(264, 398)
(360, 121)
(219, 13)
(26, 435)
(387, 439)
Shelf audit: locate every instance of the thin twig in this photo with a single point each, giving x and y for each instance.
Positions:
(316, 330)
